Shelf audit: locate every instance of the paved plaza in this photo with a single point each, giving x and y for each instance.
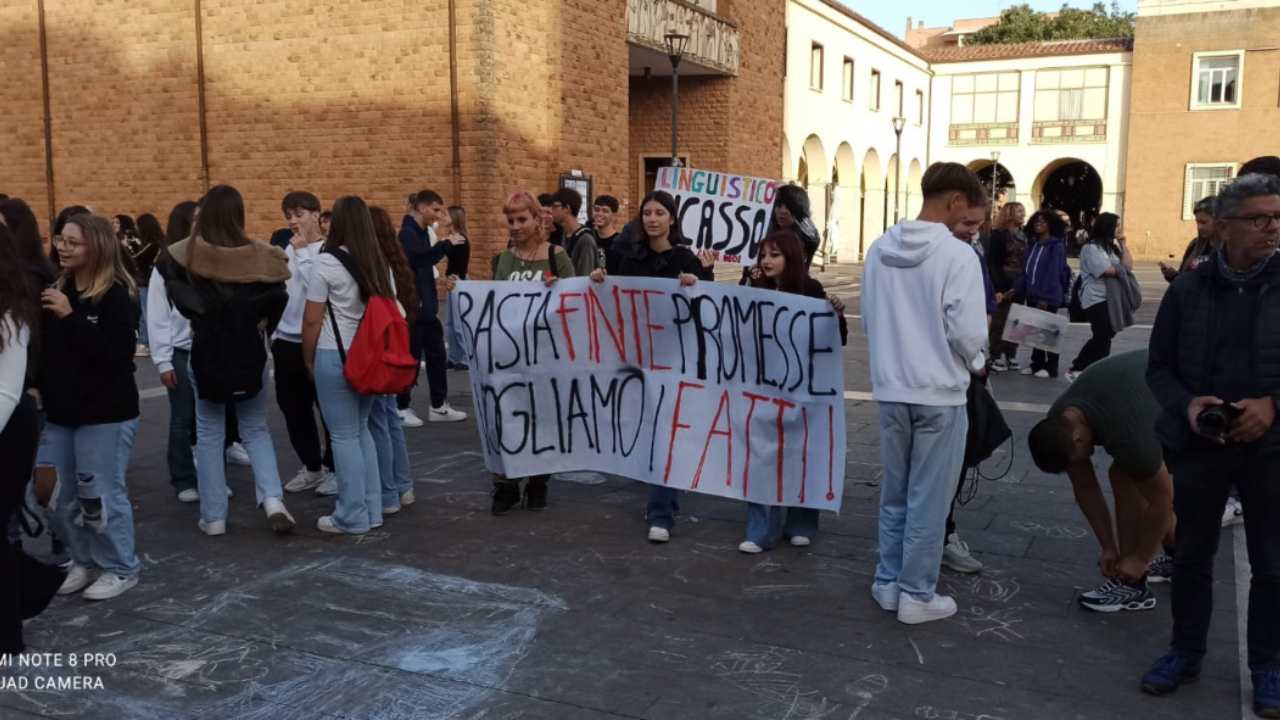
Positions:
(569, 614)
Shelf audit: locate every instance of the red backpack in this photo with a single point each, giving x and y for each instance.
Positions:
(379, 361)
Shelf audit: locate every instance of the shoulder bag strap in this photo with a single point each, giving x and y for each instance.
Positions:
(337, 335)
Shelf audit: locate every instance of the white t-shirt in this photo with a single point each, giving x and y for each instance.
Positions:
(331, 281)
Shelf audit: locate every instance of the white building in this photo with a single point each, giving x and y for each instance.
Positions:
(846, 80)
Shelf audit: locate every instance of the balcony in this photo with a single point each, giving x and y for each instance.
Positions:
(1068, 131)
(983, 134)
(714, 43)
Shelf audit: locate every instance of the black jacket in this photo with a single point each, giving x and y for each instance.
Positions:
(86, 369)
(813, 289)
(251, 276)
(1187, 336)
(635, 259)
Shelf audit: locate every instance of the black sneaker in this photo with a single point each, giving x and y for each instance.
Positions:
(1122, 597)
(506, 495)
(535, 494)
(1161, 570)
(1101, 591)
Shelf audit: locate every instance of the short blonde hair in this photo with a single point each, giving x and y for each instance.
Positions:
(106, 261)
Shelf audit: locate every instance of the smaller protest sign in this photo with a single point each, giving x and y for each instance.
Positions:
(722, 212)
(1035, 328)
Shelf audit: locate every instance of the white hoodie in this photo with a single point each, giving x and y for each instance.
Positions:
(924, 312)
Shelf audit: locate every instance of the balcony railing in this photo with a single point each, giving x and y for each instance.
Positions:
(714, 43)
(1068, 131)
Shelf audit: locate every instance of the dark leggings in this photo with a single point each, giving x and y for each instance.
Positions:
(1099, 344)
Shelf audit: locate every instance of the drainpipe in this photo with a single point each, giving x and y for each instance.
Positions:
(201, 106)
(48, 117)
(453, 101)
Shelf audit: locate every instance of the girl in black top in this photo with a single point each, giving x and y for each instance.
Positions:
(454, 225)
(91, 400)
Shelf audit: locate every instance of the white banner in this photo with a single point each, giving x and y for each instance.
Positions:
(714, 388)
(1035, 328)
(723, 212)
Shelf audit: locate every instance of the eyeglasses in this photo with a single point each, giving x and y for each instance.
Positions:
(1259, 221)
(63, 241)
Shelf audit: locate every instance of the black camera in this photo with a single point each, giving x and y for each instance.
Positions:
(1215, 421)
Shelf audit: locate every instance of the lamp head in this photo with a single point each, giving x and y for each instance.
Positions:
(676, 44)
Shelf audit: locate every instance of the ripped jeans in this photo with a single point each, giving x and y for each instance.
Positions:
(90, 511)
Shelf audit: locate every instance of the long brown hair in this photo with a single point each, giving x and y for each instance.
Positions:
(352, 230)
(458, 217)
(17, 292)
(389, 243)
(107, 262)
(796, 271)
(1004, 220)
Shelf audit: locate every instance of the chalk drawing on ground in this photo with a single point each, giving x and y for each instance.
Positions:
(416, 644)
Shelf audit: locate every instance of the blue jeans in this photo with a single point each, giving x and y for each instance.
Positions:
(182, 424)
(91, 512)
(453, 335)
(346, 412)
(142, 317)
(211, 430)
(393, 454)
(922, 450)
(664, 505)
(766, 524)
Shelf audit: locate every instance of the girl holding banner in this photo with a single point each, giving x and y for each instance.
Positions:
(784, 268)
(656, 248)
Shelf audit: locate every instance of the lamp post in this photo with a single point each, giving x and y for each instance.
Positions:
(676, 43)
(899, 123)
(995, 179)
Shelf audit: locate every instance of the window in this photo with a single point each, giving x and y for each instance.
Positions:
(1203, 180)
(1216, 79)
(919, 107)
(846, 81)
(987, 98)
(1071, 94)
(875, 90)
(815, 67)
(897, 96)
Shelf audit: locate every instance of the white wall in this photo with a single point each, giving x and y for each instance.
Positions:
(824, 122)
(1024, 160)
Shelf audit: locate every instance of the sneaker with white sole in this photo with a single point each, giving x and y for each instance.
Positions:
(1122, 597)
(410, 419)
(390, 509)
(327, 525)
(407, 497)
(956, 556)
(1026, 371)
(750, 548)
(189, 495)
(659, 535)
(78, 578)
(1071, 375)
(278, 516)
(800, 541)
(444, 413)
(999, 365)
(304, 480)
(109, 585)
(142, 351)
(329, 486)
(237, 455)
(1042, 374)
(886, 596)
(1234, 512)
(212, 528)
(1102, 590)
(1161, 569)
(914, 612)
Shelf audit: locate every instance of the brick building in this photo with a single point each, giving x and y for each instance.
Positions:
(1203, 100)
(133, 105)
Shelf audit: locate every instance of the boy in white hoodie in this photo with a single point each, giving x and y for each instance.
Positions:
(924, 312)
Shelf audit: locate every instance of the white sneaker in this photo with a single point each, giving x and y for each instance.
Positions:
(230, 492)
(281, 521)
(800, 541)
(444, 413)
(212, 528)
(1042, 374)
(1234, 512)
(78, 578)
(237, 454)
(189, 495)
(955, 556)
(327, 525)
(109, 585)
(407, 497)
(999, 365)
(1071, 375)
(142, 351)
(1026, 371)
(886, 595)
(410, 419)
(659, 535)
(390, 509)
(329, 486)
(304, 480)
(750, 548)
(913, 612)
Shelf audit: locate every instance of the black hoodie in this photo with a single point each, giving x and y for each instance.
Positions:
(86, 368)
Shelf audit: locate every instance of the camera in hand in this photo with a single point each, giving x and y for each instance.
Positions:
(1215, 421)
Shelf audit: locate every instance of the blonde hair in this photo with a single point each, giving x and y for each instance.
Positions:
(1004, 221)
(522, 200)
(106, 258)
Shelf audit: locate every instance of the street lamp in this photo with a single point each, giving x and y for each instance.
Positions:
(995, 178)
(899, 123)
(676, 43)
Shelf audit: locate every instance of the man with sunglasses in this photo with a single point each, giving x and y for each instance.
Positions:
(1214, 368)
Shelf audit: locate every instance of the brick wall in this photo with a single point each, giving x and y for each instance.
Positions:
(1164, 135)
(22, 170)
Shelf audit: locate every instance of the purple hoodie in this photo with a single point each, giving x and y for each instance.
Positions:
(1046, 276)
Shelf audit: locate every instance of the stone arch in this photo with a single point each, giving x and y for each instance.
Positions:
(788, 165)
(842, 236)
(871, 203)
(914, 198)
(816, 180)
(1006, 187)
(1071, 185)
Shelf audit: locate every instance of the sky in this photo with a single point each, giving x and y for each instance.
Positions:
(892, 16)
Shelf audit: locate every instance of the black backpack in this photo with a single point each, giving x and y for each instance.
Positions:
(1075, 312)
(228, 352)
